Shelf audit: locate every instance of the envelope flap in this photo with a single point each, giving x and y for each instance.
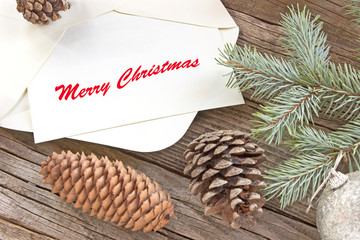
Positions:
(208, 13)
(8, 9)
(80, 10)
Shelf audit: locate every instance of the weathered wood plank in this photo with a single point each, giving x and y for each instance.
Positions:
(258, 21)
(39, 210)
(173, 154)
(9, 230)
(24, 190)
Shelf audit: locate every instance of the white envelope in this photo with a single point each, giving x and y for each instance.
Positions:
(24, 48)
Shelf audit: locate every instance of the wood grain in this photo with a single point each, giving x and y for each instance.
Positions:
(28, 210)
(25, 199)
(9, 230)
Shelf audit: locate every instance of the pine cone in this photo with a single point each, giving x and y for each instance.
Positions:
(110, 190)
(41, 11)
(222, 166)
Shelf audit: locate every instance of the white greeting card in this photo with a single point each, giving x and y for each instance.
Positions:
(118, 69)
(33, 44)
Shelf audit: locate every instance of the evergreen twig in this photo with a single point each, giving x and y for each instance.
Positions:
(304, 40)
(316, 152)
(354, 9)
(264, 73)
(284, 112)
(298, 88)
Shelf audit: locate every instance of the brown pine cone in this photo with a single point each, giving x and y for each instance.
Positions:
(42, 11)
(110, 190)
(223, 168)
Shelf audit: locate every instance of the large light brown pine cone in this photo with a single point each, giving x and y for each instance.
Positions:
(42, 11)
(110, 190)
(223, 168)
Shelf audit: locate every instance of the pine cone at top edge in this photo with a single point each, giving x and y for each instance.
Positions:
(110, 190)
(42, 11)
(223, 168)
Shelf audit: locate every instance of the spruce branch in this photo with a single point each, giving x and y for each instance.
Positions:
(354, 9)
(304, 39)
(309, 139)
(267, 75)
(347, 138)
(304, 85)
(335, 88)
(285, 112)
(291, 180)
(340, 90)
(316, 154)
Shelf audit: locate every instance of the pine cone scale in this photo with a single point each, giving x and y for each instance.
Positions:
(218, 182)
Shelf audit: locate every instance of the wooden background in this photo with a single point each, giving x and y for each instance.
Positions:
(29, 211)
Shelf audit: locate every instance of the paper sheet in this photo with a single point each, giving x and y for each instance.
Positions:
(23, 38)
(106, 52)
